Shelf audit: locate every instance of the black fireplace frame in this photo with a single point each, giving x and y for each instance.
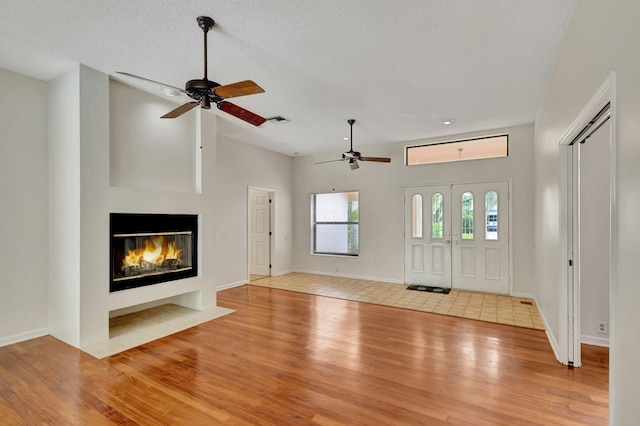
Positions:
(130, 223)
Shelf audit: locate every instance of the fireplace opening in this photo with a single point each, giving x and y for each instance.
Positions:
(152, 248)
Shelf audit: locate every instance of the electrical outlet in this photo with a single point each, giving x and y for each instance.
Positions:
(337, 269)
(602, 327)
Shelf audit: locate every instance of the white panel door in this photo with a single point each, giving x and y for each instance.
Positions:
(259, 233)
(457, 236)
(427, 245)
(480, 237)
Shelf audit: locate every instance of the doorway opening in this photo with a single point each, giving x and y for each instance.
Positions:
(260, 232)
(589, 235)
(588, 224)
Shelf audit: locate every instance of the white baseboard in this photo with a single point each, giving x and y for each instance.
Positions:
(595, 340)
(17, 338)
(550, 337)
(356, 277)
(281, 273)
(524, 296)
(231, 285)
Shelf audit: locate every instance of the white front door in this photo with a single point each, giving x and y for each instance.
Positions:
(480, 237)
(458, 236)
(427, 236)
(259, 232)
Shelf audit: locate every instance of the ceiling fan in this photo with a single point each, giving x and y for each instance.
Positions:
(354, 156)
(204, 92)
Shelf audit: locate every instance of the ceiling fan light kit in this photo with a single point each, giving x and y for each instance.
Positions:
(354, 156)
(204, 92)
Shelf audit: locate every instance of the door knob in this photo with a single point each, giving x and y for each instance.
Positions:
(455, 242)
(448, 241)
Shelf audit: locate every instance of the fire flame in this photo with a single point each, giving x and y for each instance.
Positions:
(155, 251)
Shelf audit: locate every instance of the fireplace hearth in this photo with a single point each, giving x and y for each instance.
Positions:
(151, 248)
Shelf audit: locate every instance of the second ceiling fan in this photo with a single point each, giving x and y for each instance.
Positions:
(204, 92)
(354, 156)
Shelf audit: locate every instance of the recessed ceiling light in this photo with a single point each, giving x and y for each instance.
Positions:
(447, 122)
(171, 92)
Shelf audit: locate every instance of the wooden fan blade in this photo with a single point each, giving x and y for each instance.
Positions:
(376, 159)
(241, 88)
(241, 113)
(180, 110)
(149, 80)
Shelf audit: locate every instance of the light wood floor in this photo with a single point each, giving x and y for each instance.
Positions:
(290, 358)
(458, 303)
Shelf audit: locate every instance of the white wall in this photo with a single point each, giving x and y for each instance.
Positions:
(24, 259)
(601, 39)
(82, 196)
(382, 207)
(67, 199)
(240, 166)
(148, 156)
(192, 143)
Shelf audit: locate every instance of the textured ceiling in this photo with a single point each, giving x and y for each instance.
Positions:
(398, 67)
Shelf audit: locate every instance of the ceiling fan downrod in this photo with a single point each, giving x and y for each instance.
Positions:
(351, 121)
(206, 24)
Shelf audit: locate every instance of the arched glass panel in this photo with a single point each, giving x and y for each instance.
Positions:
(416, 219)
(436, 215)
(491, 215)
(467, 216)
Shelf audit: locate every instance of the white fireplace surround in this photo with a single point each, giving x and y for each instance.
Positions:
(109, 152)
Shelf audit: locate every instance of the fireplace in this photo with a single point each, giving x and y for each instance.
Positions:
(152, 248)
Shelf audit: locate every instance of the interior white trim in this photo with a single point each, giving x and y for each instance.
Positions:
(569, 338)
(595, 340)
(356, 277)
(17, 338)
(232, 285)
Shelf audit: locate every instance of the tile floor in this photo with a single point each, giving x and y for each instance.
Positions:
(131, 330)
(495, 308)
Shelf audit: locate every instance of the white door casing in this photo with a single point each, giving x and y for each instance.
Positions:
(477, 262)
(259, 232)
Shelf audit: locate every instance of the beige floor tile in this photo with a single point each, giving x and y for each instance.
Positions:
(461, 303)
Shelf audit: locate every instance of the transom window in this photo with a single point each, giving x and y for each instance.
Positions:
(460, 150)
(334, 223)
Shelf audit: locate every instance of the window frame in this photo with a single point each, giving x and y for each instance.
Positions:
(453, 142)
(314, 224)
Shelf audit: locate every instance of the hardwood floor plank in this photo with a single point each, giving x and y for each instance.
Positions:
(289, 358)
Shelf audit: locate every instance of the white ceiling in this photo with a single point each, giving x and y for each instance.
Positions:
(399, 67)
